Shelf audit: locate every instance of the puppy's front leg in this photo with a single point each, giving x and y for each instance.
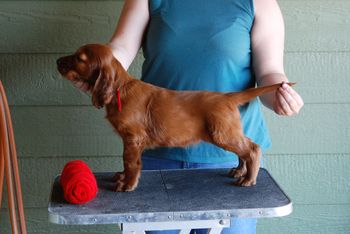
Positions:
(127, 180)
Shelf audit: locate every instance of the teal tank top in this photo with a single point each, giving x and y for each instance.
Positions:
(203, 45)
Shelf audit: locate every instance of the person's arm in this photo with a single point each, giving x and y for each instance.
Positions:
(127, 38)
(267, 39)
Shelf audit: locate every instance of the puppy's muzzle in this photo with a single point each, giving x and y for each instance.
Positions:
(62, 65)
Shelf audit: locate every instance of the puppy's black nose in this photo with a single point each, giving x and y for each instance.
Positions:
(59, 62)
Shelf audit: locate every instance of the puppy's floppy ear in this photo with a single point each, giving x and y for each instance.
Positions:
(103, 91)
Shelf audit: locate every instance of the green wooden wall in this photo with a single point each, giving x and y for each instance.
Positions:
(55, 123)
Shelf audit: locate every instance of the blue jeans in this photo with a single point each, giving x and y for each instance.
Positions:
(238, 226)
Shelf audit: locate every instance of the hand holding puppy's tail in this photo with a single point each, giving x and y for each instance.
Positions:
(247, 95)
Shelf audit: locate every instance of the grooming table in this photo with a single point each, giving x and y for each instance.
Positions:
(174, 200)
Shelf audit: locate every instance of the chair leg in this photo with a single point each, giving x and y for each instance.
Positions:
(9, 180)
(8, 171)
(14, 162)
(2, 169)
(9, 165)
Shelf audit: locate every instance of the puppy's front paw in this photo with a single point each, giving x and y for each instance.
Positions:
(118, 176)
(121, 186)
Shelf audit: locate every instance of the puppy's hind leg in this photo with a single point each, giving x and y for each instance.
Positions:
(249, 156)
(240, 171)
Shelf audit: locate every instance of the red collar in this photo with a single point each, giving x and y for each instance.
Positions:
(119, 101)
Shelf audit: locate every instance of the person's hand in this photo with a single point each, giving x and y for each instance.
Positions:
(287, 101)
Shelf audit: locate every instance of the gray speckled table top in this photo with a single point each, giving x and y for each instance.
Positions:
(173, 195)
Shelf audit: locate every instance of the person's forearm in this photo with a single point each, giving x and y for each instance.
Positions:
(121, 54)
(127, 37)
(270, 79)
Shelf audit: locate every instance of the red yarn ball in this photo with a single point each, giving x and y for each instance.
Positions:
(78, 182)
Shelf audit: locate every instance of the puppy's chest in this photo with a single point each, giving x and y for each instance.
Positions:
(124, 121)
(113, 115)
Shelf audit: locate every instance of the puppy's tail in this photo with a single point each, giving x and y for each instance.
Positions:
(247, 95)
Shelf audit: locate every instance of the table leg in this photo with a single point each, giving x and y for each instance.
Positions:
(184, 227)
(185, 231)
(215, 230)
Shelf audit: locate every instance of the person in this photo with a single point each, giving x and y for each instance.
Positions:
(222, 45)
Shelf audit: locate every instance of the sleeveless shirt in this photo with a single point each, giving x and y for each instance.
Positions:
(203, 45)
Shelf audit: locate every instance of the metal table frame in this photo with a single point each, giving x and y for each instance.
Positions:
(174, 200)
(184, 227)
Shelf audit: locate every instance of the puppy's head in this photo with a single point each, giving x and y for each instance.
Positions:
(90, 69)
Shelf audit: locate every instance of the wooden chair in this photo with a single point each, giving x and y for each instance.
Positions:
(9, 168)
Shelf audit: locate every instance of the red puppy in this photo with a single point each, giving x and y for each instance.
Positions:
(151, 116)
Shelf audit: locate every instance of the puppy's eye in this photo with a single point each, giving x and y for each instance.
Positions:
(79, 59)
